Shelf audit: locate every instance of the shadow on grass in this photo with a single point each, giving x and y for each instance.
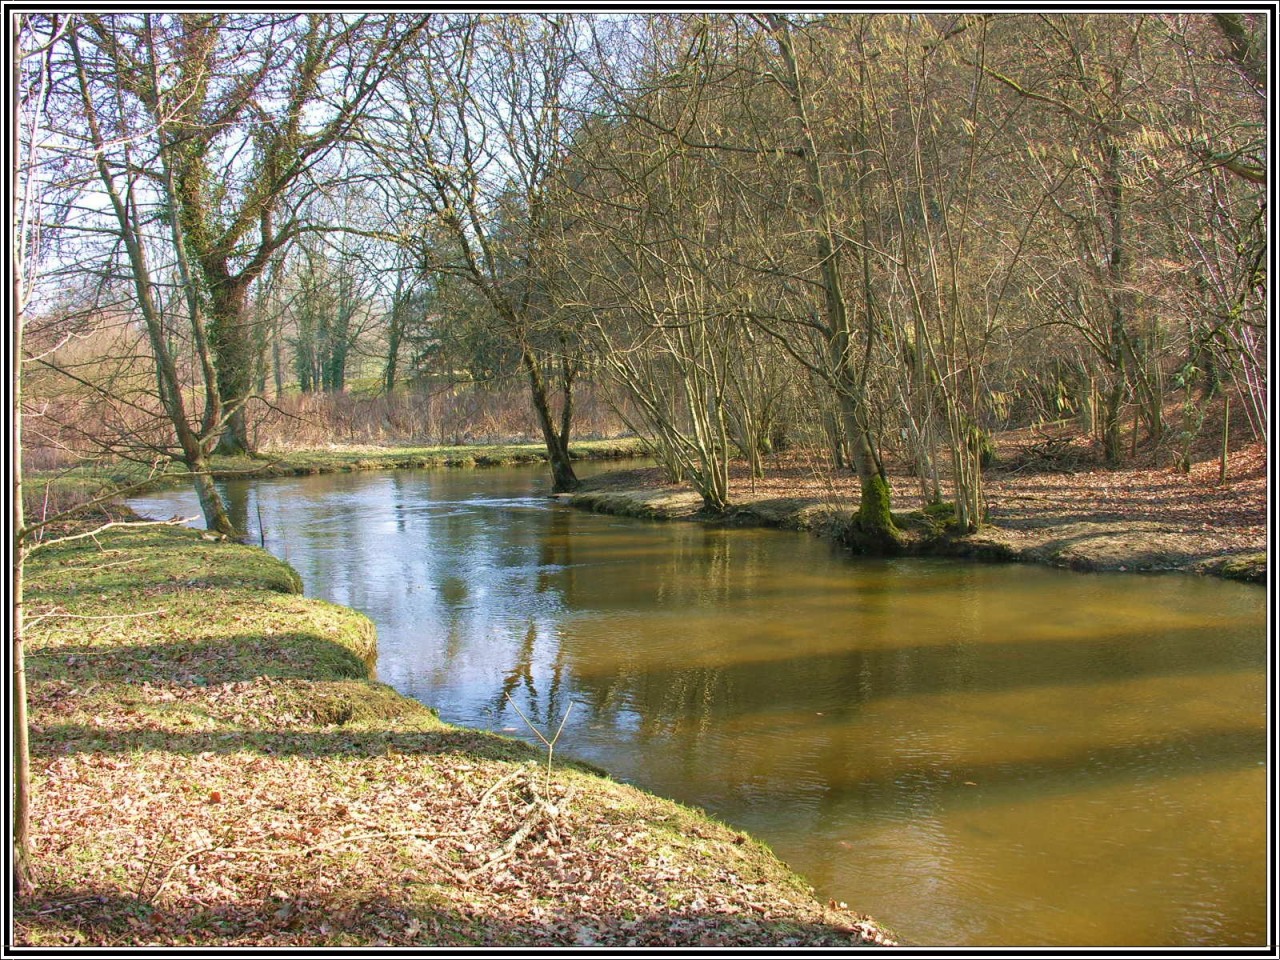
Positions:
(318, 916)
(226, 659)
(61, 739)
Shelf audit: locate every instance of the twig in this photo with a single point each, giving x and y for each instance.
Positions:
(116, 493)
(101, 566)
(87, 616)
(67, 905)
(106, 526)
(508, 849)
(151, 867)
(301, 852)
(492, 790)
(551, 744)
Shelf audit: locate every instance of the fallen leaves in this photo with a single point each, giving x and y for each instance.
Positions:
(1142, 516)
(275, 865)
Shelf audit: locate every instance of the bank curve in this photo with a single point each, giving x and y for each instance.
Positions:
(215, 766)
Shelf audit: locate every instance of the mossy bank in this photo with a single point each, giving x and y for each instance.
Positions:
(213, 765)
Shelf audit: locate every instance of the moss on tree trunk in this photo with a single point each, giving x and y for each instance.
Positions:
(873, 530)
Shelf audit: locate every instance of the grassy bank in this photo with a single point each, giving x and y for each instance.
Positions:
(48, 491)
(338, 458)
(214, 766)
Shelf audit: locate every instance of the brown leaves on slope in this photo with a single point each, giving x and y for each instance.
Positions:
(1135, 517)
(239, 848)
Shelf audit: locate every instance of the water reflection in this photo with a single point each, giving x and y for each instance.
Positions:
(973, 754)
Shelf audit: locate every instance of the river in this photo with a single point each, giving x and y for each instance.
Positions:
(972, 754)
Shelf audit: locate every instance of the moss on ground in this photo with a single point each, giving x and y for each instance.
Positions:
(1250, 568)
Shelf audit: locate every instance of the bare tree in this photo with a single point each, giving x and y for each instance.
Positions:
(958, 216)
(239, 109)
(471, 130)
(842, 323)
(648, 233)
(1091, 80)
(113, 140)
(1212, 134)
(28, 59)
(331, 307)
(652, 309)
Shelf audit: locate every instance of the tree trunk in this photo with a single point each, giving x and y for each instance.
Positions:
(338, 369)
(1112, 445)
(566, 396)
(563, 479)
(234, 441)
(1121, 300)
(211, 505)
(216, 518)
(393, 358)
(233, 354)
(23, 871)
(23, 881)
(873, 529)
(835, 436)
(276, 366)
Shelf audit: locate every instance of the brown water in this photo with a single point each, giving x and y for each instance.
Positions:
(972, 754)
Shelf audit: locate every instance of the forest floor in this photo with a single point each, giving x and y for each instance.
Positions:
(1049, 501)
(213, 766)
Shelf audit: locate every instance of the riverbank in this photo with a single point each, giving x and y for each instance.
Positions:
(339, 458)
(52, 490)
(1135, 519)
(214, 766)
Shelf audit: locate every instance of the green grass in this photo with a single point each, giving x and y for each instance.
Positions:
(77, 484)
(363, 457)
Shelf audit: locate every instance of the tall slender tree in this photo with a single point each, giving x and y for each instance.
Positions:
(470, 131)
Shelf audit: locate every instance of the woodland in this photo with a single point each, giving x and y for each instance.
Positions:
(881, 234)
(889, 254)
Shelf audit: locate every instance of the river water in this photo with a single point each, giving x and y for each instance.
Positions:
(972, 754)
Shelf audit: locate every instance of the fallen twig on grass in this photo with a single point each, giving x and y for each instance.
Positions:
(59, 614)
(484, 798)
(299, 852)
(508, 849)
